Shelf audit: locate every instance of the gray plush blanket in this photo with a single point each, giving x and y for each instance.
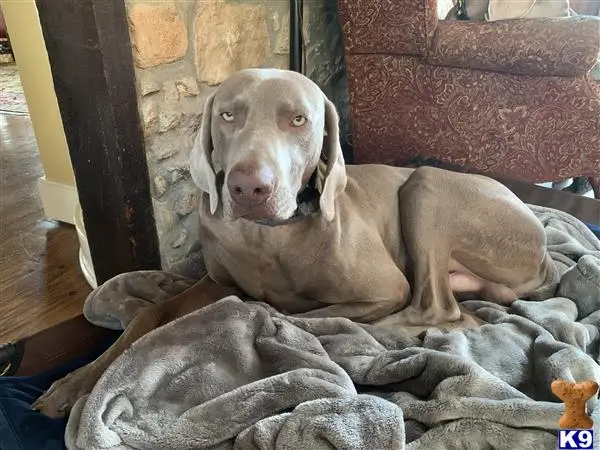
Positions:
(238, 375)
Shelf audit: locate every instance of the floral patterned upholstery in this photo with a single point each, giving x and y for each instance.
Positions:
(388, 26)
(546, 47)
(509, 98)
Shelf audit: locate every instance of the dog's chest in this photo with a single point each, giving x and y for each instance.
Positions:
(264, 262)
(298, 271)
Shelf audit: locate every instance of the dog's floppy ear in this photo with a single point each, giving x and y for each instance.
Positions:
(201, 167)
(331, 176)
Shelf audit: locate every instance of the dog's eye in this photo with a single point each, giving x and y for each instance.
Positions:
(298, 121)
(227, 116)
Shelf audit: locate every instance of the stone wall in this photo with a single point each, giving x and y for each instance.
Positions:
(182, 50)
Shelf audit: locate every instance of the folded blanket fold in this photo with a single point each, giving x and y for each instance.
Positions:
(240, 375)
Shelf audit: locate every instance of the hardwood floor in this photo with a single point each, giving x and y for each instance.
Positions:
(41, 283)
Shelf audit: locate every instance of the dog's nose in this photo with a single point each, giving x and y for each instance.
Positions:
(250, 187)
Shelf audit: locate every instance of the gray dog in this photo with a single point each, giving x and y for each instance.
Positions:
(283, 220)
(265, 133)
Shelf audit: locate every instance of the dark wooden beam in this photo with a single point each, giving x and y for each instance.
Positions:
(92, 65)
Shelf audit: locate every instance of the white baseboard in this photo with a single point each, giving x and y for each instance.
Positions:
(59, 200)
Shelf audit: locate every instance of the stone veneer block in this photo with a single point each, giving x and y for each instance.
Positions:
(229, 37)
(187, 86)
(149, 114)
(158, 35)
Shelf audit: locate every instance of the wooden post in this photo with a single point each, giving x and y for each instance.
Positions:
(92, 66)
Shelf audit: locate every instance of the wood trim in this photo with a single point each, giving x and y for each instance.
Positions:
(92, 66)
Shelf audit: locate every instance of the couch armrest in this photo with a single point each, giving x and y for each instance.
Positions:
(554, 47)
(397, 27)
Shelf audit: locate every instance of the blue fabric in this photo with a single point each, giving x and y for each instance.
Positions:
(24, 429)
(595, 229)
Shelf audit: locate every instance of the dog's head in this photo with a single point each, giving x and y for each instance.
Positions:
(268, 131)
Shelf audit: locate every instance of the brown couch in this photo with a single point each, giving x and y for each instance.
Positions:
(510, 98)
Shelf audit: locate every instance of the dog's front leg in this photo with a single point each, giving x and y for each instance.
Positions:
(62, 395)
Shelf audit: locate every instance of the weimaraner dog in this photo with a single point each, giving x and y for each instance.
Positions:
(284, 221)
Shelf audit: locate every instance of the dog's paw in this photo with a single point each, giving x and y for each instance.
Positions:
(57, 401)
(414, 321)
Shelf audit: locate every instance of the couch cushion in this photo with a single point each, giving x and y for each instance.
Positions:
(526, 9)
(492, 10)
(535, 128)
(542, 47)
